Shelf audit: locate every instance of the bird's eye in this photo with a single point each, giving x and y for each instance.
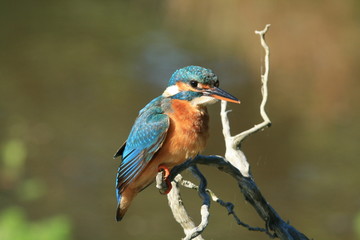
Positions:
(193, 83)
(216, 84)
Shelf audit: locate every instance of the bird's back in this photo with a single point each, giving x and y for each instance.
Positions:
(169, 130)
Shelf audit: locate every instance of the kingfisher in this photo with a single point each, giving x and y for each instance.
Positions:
(169, 130)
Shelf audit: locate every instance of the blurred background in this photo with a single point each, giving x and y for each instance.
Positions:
(74, 75)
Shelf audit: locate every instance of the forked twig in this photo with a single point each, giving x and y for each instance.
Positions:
(236, 165)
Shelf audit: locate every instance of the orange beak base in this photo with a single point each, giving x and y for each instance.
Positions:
(221, 94)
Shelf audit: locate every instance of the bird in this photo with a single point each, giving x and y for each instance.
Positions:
(169, 130)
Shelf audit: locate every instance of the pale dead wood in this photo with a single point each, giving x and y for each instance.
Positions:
(236, 165)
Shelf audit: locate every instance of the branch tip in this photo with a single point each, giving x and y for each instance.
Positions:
(262, 32)
(236, 165)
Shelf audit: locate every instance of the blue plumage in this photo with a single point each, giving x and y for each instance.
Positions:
(184, 101)
(189, 73)
(146, 137)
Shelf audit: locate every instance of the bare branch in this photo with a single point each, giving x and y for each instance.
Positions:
(264, 90)
(177, 206)
(228, 205)
(236, 165)
(204, 208)
(273, 222)
(233, 153)
(160, 183)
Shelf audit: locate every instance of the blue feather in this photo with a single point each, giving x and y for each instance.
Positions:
(118, 196)
(145, 139)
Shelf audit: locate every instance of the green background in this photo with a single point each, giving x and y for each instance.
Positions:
(74, 74)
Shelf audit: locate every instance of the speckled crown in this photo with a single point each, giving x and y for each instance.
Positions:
(189, 73)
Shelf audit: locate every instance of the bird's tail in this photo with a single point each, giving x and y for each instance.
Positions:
(124, 201)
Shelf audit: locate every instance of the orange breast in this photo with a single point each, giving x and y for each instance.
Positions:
(186, 137)
(188, 132)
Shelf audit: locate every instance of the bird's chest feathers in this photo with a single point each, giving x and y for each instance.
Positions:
(188, 130)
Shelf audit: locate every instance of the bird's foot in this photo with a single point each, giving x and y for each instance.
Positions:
(166, 173)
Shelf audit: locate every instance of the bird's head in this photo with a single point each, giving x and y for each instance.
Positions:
(198, 85)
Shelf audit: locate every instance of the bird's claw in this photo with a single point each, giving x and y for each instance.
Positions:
(165, 170)
(166, 174)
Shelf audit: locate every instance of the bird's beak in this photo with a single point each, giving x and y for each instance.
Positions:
(221, 94)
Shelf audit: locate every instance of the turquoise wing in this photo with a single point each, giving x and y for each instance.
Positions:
(145, 139)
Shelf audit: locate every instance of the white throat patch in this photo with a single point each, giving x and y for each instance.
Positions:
(203, 100)
(171, 91)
